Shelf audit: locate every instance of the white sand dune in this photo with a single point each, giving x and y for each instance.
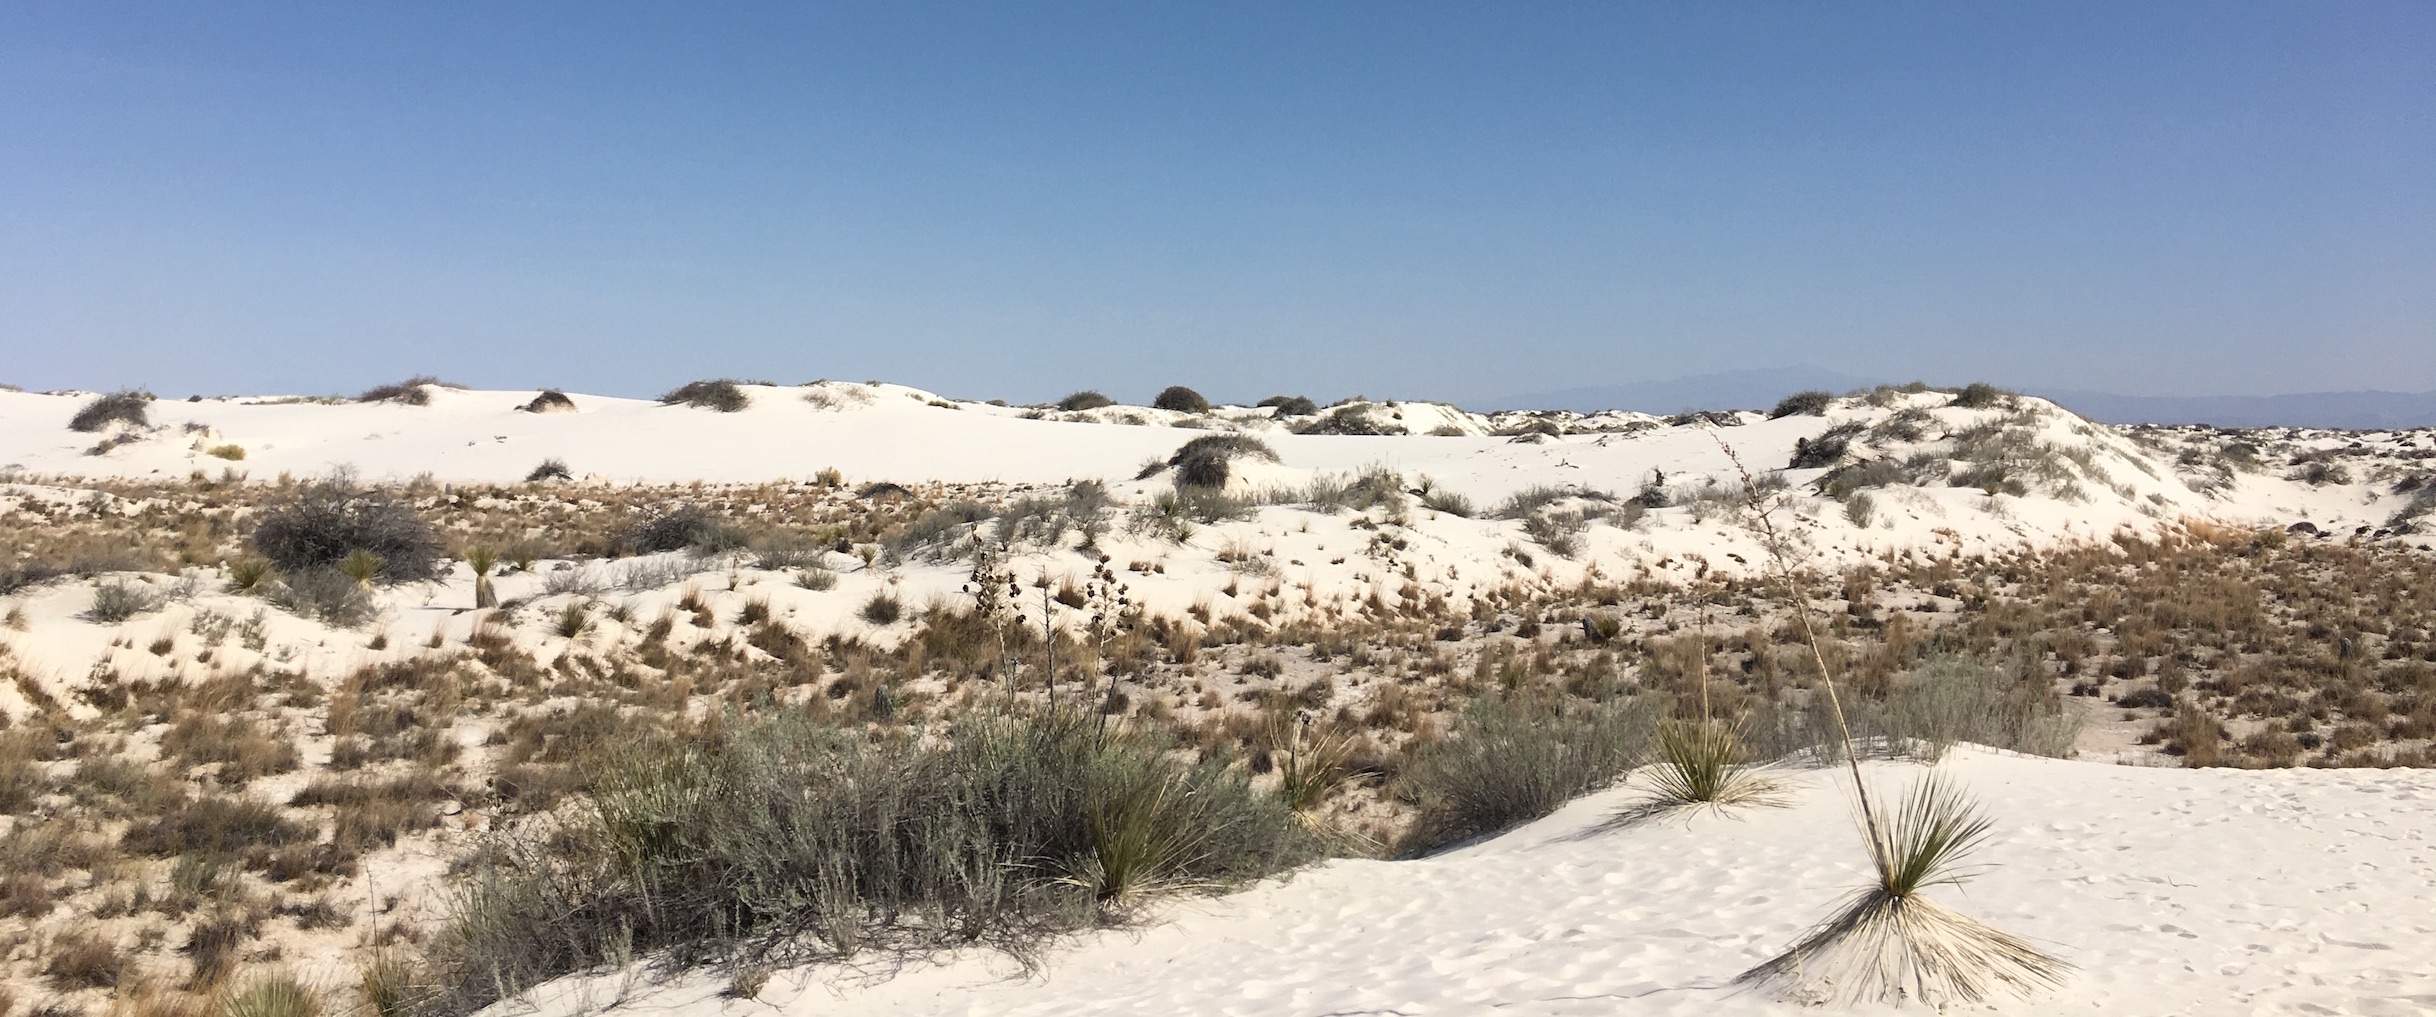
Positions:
(2172, 891)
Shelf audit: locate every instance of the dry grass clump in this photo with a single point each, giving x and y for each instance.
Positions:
(720, 394)
(127, 406)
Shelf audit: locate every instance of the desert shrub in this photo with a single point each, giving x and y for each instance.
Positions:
(1291, 406)
(944, 532)
(411, 392)
(1512, 759)
(549, 401)
(1559, 532)
(1349, 419)
(1180, 399)
(721, 394)
(1910, 423)
(1980, 395)
(550, 469)
(116, 600)
(324, 522)
(1084, 400)
(127, 406)
(325, 594)
(1825, 450)
(1203, 461)
(232, 453)
(1951, 699)
(1812, 403)
(1860, 509)
(1169, 510)
(681, 528)
(782, 841)
(1862, 476)
(1943, 701)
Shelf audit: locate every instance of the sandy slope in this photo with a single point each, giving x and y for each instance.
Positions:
(2173, 891)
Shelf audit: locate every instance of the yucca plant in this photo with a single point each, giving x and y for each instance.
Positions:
(1137, 844)
(248, 573)
(1889, 942)
(361, 566)
(387, 979)
(271, 995)
(1311, 764)
(1704, 763)
(572, 620)
(481, 560)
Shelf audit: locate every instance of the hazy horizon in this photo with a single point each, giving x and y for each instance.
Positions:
(1436, 201)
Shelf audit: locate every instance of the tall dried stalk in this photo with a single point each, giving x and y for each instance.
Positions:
(1887, 941)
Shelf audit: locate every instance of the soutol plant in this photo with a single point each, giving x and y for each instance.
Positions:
(1888, 942)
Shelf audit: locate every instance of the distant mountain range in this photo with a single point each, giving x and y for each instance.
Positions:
(1760, 388)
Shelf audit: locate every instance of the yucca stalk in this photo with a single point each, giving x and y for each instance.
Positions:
(1888, 942)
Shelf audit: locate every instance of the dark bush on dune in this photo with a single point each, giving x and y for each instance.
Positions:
(320, 525)
(1812, 403)
(1291, 406)
(1825, 450)
(1203, 461)
(719, 394)
(685, 527)
(550, 469)
(1354, 420)
(126, 406)
(1084, 400)
(550, 401)
(411, 392)
(1980, 395)
(1178, 399)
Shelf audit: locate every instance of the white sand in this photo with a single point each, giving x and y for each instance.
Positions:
(2173, 891)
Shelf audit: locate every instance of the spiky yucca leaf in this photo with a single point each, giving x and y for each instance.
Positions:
(1888, 942)
(1704, 763)
(1311, 764)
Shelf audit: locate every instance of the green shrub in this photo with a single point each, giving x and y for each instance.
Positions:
(1513, 759)
(1291, 406)
(323, 523)
(782, 841)
(1084, 400)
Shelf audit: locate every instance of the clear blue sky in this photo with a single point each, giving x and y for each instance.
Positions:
(1017, 200)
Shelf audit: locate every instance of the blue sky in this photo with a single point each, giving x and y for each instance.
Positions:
(1421, 200)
